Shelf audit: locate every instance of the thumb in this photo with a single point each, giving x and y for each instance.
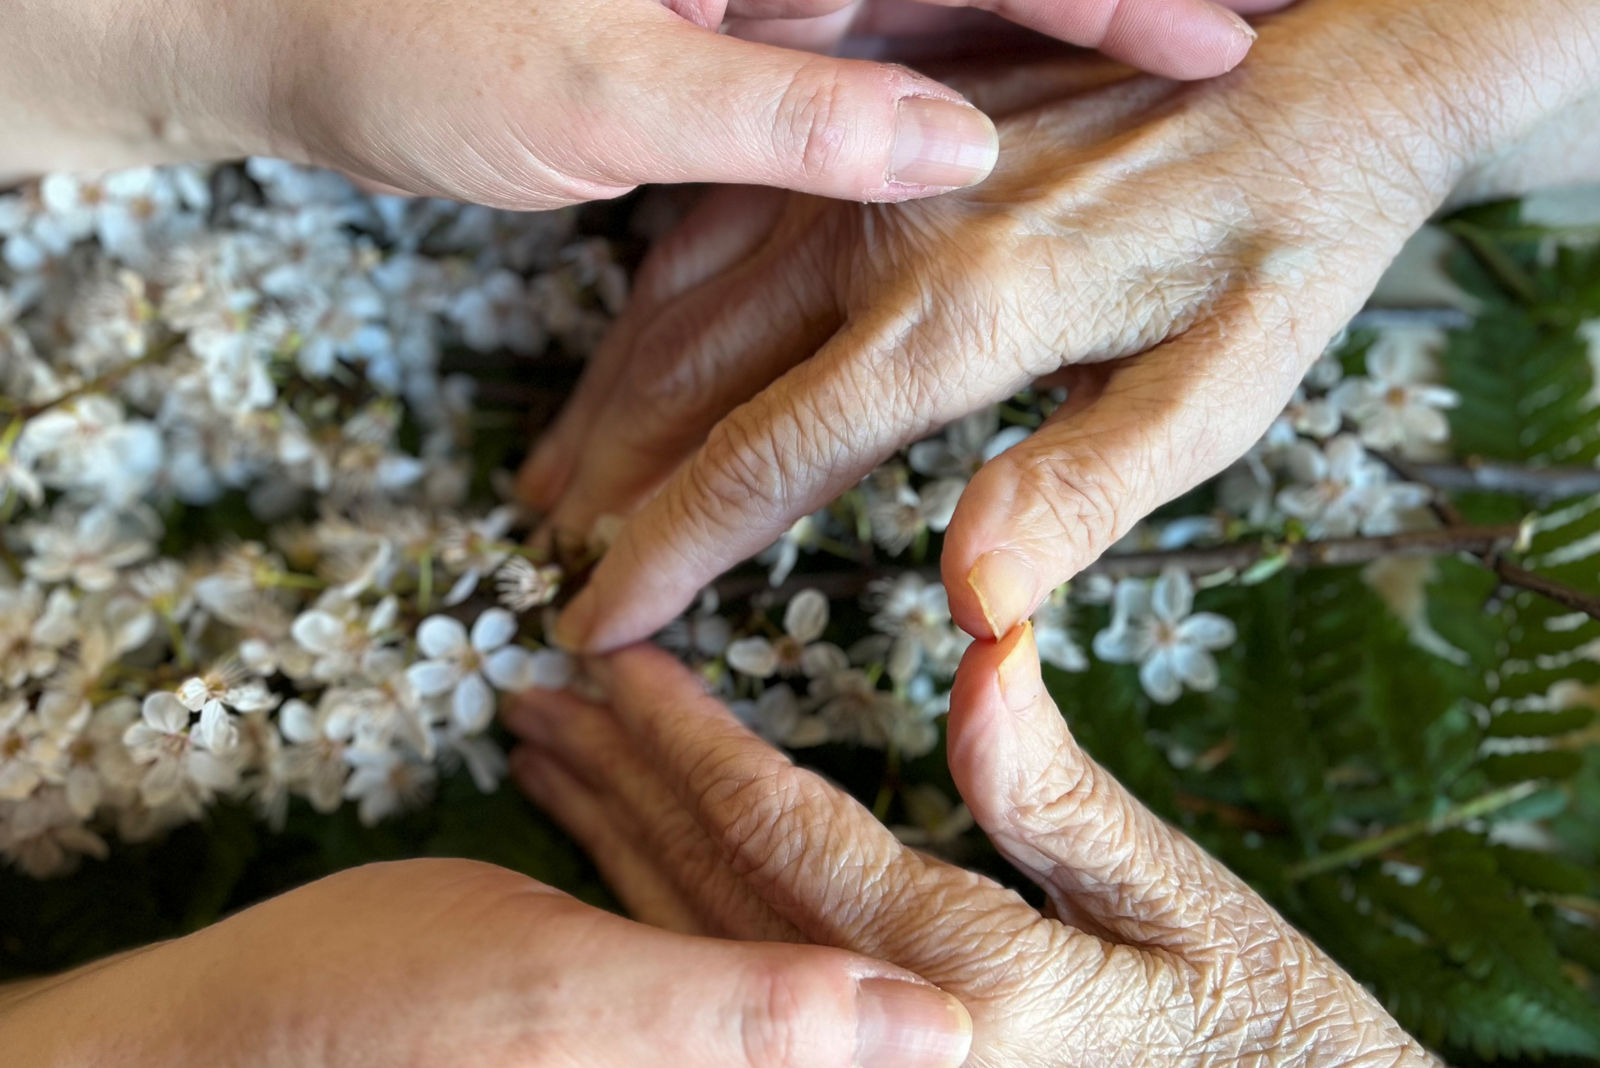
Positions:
(722, 1004)
(704, 107)
(1132, 435)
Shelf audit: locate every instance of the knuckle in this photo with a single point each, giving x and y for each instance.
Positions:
(742, 469)
(1081, 496)
(813, 120)
(780, 1023)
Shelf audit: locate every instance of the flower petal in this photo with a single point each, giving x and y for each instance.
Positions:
(430, 678)
(754, 657)
(165, 713)
(1207, 630)
(509, 669)
(472, 707)
(1159, 679)
(1196, 667)
(493, 629)
(441, 636)
(806, 616)
(1172, 598)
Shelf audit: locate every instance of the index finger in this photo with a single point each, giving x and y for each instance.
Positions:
(798, 444)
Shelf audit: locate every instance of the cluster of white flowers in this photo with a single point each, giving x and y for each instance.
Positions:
(189, 355)
(241, 557)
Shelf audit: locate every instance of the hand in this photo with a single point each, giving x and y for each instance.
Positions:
(529, 106)
(1163, 958)
(1183, 252)
(447, 962)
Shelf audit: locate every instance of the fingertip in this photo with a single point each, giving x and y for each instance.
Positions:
(577, 620)
(1183, 39)
(1006, 585)
(538, 478)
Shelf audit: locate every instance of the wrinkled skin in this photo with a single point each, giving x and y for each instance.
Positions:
(435, 963)
(1162, 957)
(1178, 254)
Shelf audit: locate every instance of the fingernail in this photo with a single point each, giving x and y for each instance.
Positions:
(1226, 32)
(1240, 26)
(941, 144)
(907, 1025)
(1007, 588)
(572, 629)
(1020, 681)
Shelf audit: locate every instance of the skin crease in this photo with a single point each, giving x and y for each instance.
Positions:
(1181, 252)
(516, 105)
(446, 962)
(1165, 958)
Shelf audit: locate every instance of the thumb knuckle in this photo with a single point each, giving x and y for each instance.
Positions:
(819, 122)
(791, 1011)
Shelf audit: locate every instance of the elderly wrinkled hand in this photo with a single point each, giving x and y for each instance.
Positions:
(530, 106)
(1176, 254)
(1160, 956)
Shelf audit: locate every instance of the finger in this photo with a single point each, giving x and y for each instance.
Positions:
(696, 361)
(795, 446)
(695, 106)
(1152, 427)
(644, 890)
(656, 997)
(820, 858)
(725, 227)
(1174, 38)
(1063, 820)
(585, 743)
(820, 31)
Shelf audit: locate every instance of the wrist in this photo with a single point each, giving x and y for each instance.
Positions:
(1420, 94)
(86, 85)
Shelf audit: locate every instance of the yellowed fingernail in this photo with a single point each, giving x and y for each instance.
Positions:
(1020, 681)
(1007, 588)
(572, 629)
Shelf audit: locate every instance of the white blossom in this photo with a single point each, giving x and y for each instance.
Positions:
(464, 667)
(797, 650)
(1153, 624)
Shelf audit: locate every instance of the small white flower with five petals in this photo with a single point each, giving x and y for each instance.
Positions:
(1154, 625)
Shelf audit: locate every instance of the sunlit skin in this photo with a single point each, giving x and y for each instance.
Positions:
(1177, 255)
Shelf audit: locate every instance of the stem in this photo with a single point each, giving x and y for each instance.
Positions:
(1329, 552)
(1494, 557)
(1387, 318)
(100, 383)
(288, 580)
(1378, 844)
(1541, 484)
(1505, 269)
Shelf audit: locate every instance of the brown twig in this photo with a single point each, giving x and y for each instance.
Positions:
(1329, 552)
(1535, 483)
(1494, 558)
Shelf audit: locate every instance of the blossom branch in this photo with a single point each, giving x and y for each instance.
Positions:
(1238, 556)
(1494, 558)
(1535, 483)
